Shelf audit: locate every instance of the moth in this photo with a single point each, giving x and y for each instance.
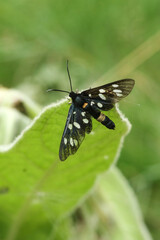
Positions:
(87, 105)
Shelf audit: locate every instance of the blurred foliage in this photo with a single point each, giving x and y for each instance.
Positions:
(36, 38)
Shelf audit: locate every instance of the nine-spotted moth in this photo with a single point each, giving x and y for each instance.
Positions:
(87, 104)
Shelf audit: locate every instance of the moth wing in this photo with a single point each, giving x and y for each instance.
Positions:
(105, 96)
(78, 123)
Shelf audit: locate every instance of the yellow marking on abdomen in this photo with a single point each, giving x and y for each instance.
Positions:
(101, 117)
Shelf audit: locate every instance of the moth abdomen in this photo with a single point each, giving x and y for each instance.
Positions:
(100, 117)
(106, 121)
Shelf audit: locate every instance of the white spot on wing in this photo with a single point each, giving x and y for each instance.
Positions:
(115, 85)
(102, 96)
(101, 90)
(71, 142)
(99, 105)
(92, 103)
(70, 126)
(85, 120)
(83, 114)
(117, 90)
(74, 112)
(90, 95)
(76, 125)
(119, 94)
(75, 142)
(65, 141)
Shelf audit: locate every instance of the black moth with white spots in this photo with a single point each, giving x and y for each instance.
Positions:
(89, 104)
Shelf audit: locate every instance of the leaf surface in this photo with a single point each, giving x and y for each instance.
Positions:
(33, 179)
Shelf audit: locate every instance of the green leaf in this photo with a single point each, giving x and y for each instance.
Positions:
(35, 186)
(121, 202)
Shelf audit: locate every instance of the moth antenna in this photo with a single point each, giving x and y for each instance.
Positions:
(69, 76)
(56, 90)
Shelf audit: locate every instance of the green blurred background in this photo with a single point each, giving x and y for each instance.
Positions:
(104, 41)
